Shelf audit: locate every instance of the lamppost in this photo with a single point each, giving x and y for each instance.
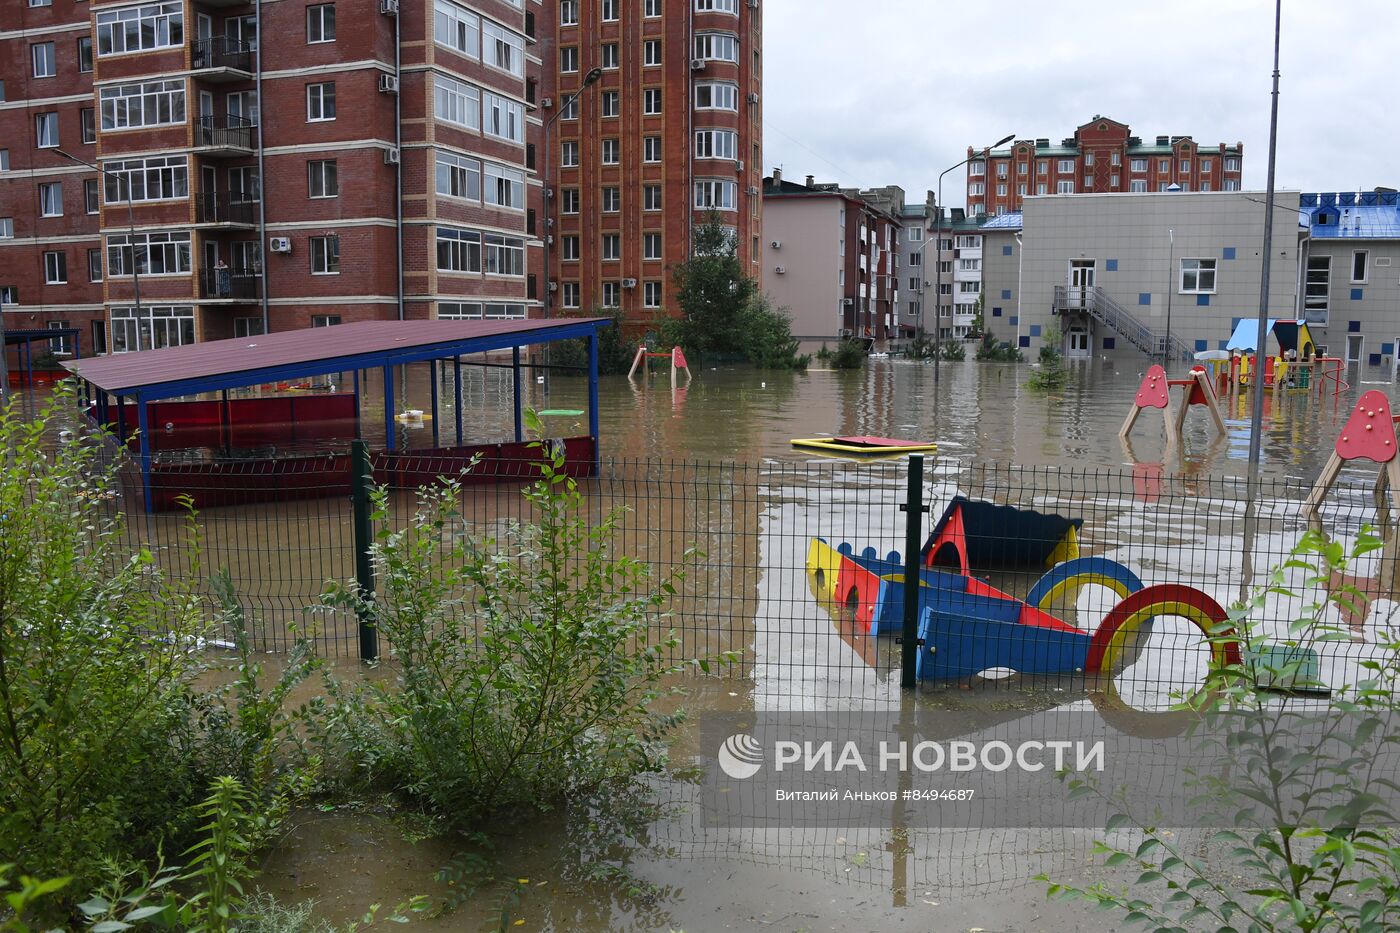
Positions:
(589, 80)
(1171, 287)
(131, 227)
(938, 235)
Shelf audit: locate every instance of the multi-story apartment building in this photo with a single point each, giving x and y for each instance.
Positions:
(671, 132)
(832, 261)
(1350, 270)
(1102, 156)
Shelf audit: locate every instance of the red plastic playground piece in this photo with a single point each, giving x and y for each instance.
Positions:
(678, 360)
(1166, 599)
(1369, 433)
(1153, 393)
(949, 549)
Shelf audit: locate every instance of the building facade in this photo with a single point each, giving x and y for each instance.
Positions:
(1102, 156)
(671, 134)
(1350, 271)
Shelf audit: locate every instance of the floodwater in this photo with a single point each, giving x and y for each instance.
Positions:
(1173, 515)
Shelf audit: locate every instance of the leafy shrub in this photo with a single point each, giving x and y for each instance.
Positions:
(768, 340)
(998, 351)
(849, 354)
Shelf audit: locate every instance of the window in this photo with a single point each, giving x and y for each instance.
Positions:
(242, 32)
(1232, 165)
(570, 201)
(1205, 186)
(503, 187)
(714, 194)
(247, 326)
(1164, 166)
(1002, 169)
(651, 149)
(322, 180)
(34, 3)
(325, 255)
(651, 52)
(569, 248)
(7, 228)
(609, 11)
(320, 102)
(915, 283)
(1088, 159)
(9, 295)
(1138, 165)
(458, 177)
(244, 184)
(1064, 187)
(969, 288)
(1042, 167)
(1163, 186)
(716, 144)
(151, 327)
(503, 255)
(502, 118)
(457, 29)
(325, 320)
(970, 265)
(916, 259)
(717, 6)
(244, 106)
(571, 295)
(717, 96)
(154, 253)
(570, 110)
(568, 12)
(612, 152)
(612, 247)
(320, 23)
(568, 59)
(651, 197)
(90, 198)
(1358, 265)
(1317, 289)
(151, 103)
(85, 54)
(1020, 191)
(651, 8)
(1041, 188)
(94, 261)
(717, 46)
(457, 103)
(46, 130)
(1066, 166)
(1205, 165)
(141, 28)
(1001, 191)
(977, 187)
(1088, 182)
(611, 103)
(1232, 184)
(87, 119)
(503, 49)
(247, 257)
(568, 153)
(1115, 158)
(977, 168)
(651, 294)
(458, 250)
(51, 199)
(1197, 276)
(1022, 168)
(1113, 181)
(612, 199)
(609, 56)
(1185, 166)
(1138, 184)
(651, 246)
(651, 101)
(55, 268)
(612, 295)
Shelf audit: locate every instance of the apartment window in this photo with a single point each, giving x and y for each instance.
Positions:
(1064, 187)
(612, 199)
(716, 144)
(651, 294)
(1205, 165)
(717, 96)
(325, 255)
(1317, 289)
(717, 46)
(1022, 168)
(1138, 165)
(503, 187)
(55, 268)
(150, 103)
(1001, 191)
(571, 295)
(651, 149)
(717, 6)
(242, 31)
(244, 106)
(1002, 169)
(609, 55)
(247, 327)
(85, 54)
(1066, 166)
(51, 199)
(244, 183)
(1232, 165)
(609, 10)
(570, 201)
(612, 247)
(1115, 158)
(569, 248)
(977, 168)
(568, 59)
(651, 8)
(1041, 188)
(715, 194)
(977, 188)
(1088, 159)
(568, 153)
(915, 283)
(90, 198)
(568, 12)
(503, 255)
(320, 23)
(1042, 167)
(140, 28)
(969, 265)
(612, 295)
(651, 197)
(151, 327)
(1020, 191)
(37, 3)
(651, 52)
(320, 102)
(457, 29)
(457, 103)
(1113, 181)
(247, 257)
(1185, 166)
(46, 130)
(458, 250)
(1232, 184)
(9, 295)
(969, 288)
(916, 259)
(1163, 185)
(87, 119)
(94, 261)
(1138, 185)
(612, 152)
(1164, 166)
(7, 228)
(1205, 186)
(570, 110)
(651, 246)
(1358, 264)
(149, 253)
(651, 101)
(1197, 276)
(502, 118)
(325, 320)
(503, 49)
(322, 180)
(1088, 182)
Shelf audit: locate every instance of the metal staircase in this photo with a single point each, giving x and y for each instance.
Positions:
(1100, 306)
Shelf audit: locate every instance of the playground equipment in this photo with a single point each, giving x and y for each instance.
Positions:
(1155, 392)
(1369, 434)
(676, 355)
(1294, 340)
(863, 446)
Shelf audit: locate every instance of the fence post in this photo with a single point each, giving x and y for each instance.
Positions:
(913, 528)
(361, 479)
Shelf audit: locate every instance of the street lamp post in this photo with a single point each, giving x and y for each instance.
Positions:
(938, 280)
(130, 222)
(589, 80)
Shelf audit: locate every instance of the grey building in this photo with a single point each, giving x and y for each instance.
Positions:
(1351, 275)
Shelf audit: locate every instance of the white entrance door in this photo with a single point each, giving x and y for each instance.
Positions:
(1081, 279)
(1077, 343)
(1356, 347)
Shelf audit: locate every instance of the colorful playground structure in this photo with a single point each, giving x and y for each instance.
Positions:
(1155, 392)
(1368, 435)
(676, 355)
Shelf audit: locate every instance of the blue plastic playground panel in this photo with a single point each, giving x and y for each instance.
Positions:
(961, 644)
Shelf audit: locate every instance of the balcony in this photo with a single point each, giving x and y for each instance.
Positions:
(227, 208)
(221, 58)
(231, 285)
(224, 136)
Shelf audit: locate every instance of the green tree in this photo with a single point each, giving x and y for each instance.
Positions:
(714, 293)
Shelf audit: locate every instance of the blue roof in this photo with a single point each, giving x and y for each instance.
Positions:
(1007, 221)
(1349, 215)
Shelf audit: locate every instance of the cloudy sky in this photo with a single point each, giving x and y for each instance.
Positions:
(878, 92)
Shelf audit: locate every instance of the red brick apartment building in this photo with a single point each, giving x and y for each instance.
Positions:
(294, 163)
(1101, 156)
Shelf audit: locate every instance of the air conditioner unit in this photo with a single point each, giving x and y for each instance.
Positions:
(554, 286)
(388, 84)
(391, 157)
(629, 283)
(739, 166)
(546, 102)
(780, 269)
(389, 7)
(753, 4)
(549, 193)
(776, 244)
(279, 244)
(697, 64)
(549, 239)
(753, 98)
(751, 189)
(845, 332)
(848, 302)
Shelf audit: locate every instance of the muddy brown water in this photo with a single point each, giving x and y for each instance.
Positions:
(752, 596)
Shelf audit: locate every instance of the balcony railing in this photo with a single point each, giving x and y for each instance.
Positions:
(224, 132)
(225, 208)
(230, 284)
(221, 52)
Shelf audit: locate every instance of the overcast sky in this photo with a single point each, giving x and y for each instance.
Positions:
(878, 92)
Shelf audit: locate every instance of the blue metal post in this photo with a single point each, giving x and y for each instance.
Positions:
(78, 346)
(121, 420)
(102, 413)
(29, 363)
(389, 408)
(432, 379)
(143, 425)
(593, 400)
(515, 372)
(358, 433)
(457, 388)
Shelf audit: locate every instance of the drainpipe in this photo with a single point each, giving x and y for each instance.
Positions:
(398, 168)
(262, 173)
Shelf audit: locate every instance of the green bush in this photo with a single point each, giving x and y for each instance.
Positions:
(849, 354)
(998, 351)
(768, 340)
(1052, 373)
